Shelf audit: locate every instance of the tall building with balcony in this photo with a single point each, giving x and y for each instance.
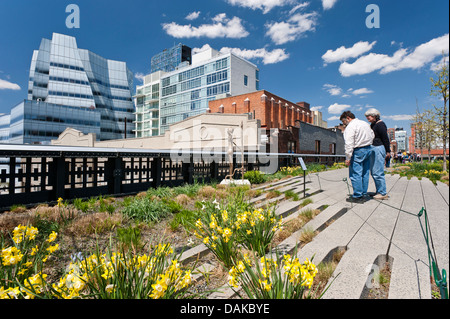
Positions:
(187, 90)
(147, 106)
(72, 87)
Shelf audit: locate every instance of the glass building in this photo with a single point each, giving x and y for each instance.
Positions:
(170, 59)
(187, 90)
(72, 87)
(35, 122)
(4, 128)
(147, 106)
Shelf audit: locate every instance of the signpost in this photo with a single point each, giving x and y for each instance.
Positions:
(302, 163)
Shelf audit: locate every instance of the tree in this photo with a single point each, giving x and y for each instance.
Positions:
(430, 130)
(417, 122)
(439, 88)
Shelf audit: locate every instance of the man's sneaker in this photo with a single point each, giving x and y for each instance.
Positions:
(380, 197)
(359, 200)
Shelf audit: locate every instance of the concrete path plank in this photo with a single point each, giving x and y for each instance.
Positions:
(438, 214)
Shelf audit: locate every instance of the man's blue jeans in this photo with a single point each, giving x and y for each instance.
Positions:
(360, 170)
(377, 161)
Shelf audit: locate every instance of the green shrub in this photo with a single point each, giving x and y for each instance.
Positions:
(188, 189)
(185, 218)
(81, 205)
(290, 194)
(161, 192)
(255, 177)
(146, 210)
(130, 236)
(173, 206)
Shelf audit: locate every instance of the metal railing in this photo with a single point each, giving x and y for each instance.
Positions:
(41, 174)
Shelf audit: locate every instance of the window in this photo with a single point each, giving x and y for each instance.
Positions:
(245, 80)
(218, 89)
(317, 147)
(333, 148)
(291, 147)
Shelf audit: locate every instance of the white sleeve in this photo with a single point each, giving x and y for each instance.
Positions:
(349, 136)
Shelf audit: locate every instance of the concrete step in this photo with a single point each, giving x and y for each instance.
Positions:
(269, 185)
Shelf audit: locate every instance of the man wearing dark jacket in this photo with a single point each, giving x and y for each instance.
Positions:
(381, 153)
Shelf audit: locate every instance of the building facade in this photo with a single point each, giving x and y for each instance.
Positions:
(293, 122)
(318, 119)
(272, 110)
(170, 59)
(426, 151)
(4, 128)
(36, 122)
(147, 106)
(187, 91)
(401, 137)
(90, 86)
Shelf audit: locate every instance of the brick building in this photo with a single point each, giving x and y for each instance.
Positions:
(294, 121)
(272, 110)
(414, 146)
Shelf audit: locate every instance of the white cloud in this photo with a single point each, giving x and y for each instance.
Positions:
(362, 91)
(269, 57)
(343, 53)
(299, 6)
(221, 17)
(334, 118)
(295, 27)
(402, 59)
(264, 5)
(193, 15)
(423, 54)
(221, 28)
(338, 108)
(403, 117)
(332, 89)
(328, 4)
(316, 108)
(370, 63)
(6, 85)
(437, 65)
(139, 76)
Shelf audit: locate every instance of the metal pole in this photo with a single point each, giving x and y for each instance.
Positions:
(304, 184)
(242, 149)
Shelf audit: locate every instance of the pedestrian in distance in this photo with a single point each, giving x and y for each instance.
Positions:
(358, 138)
(381, 152)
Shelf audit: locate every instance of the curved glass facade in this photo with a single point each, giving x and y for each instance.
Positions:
(34, 122)
(63, 75)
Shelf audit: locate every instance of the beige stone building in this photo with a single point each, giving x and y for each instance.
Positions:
(204, 132)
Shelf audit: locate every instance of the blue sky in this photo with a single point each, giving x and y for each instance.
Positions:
(318, 51)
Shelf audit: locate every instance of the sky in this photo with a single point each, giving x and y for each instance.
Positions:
(337, 55)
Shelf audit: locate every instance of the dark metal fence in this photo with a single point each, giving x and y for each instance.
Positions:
(40, 174)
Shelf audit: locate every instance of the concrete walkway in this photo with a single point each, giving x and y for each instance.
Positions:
(382, 230)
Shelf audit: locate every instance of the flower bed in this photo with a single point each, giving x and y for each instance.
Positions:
(130, 248)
